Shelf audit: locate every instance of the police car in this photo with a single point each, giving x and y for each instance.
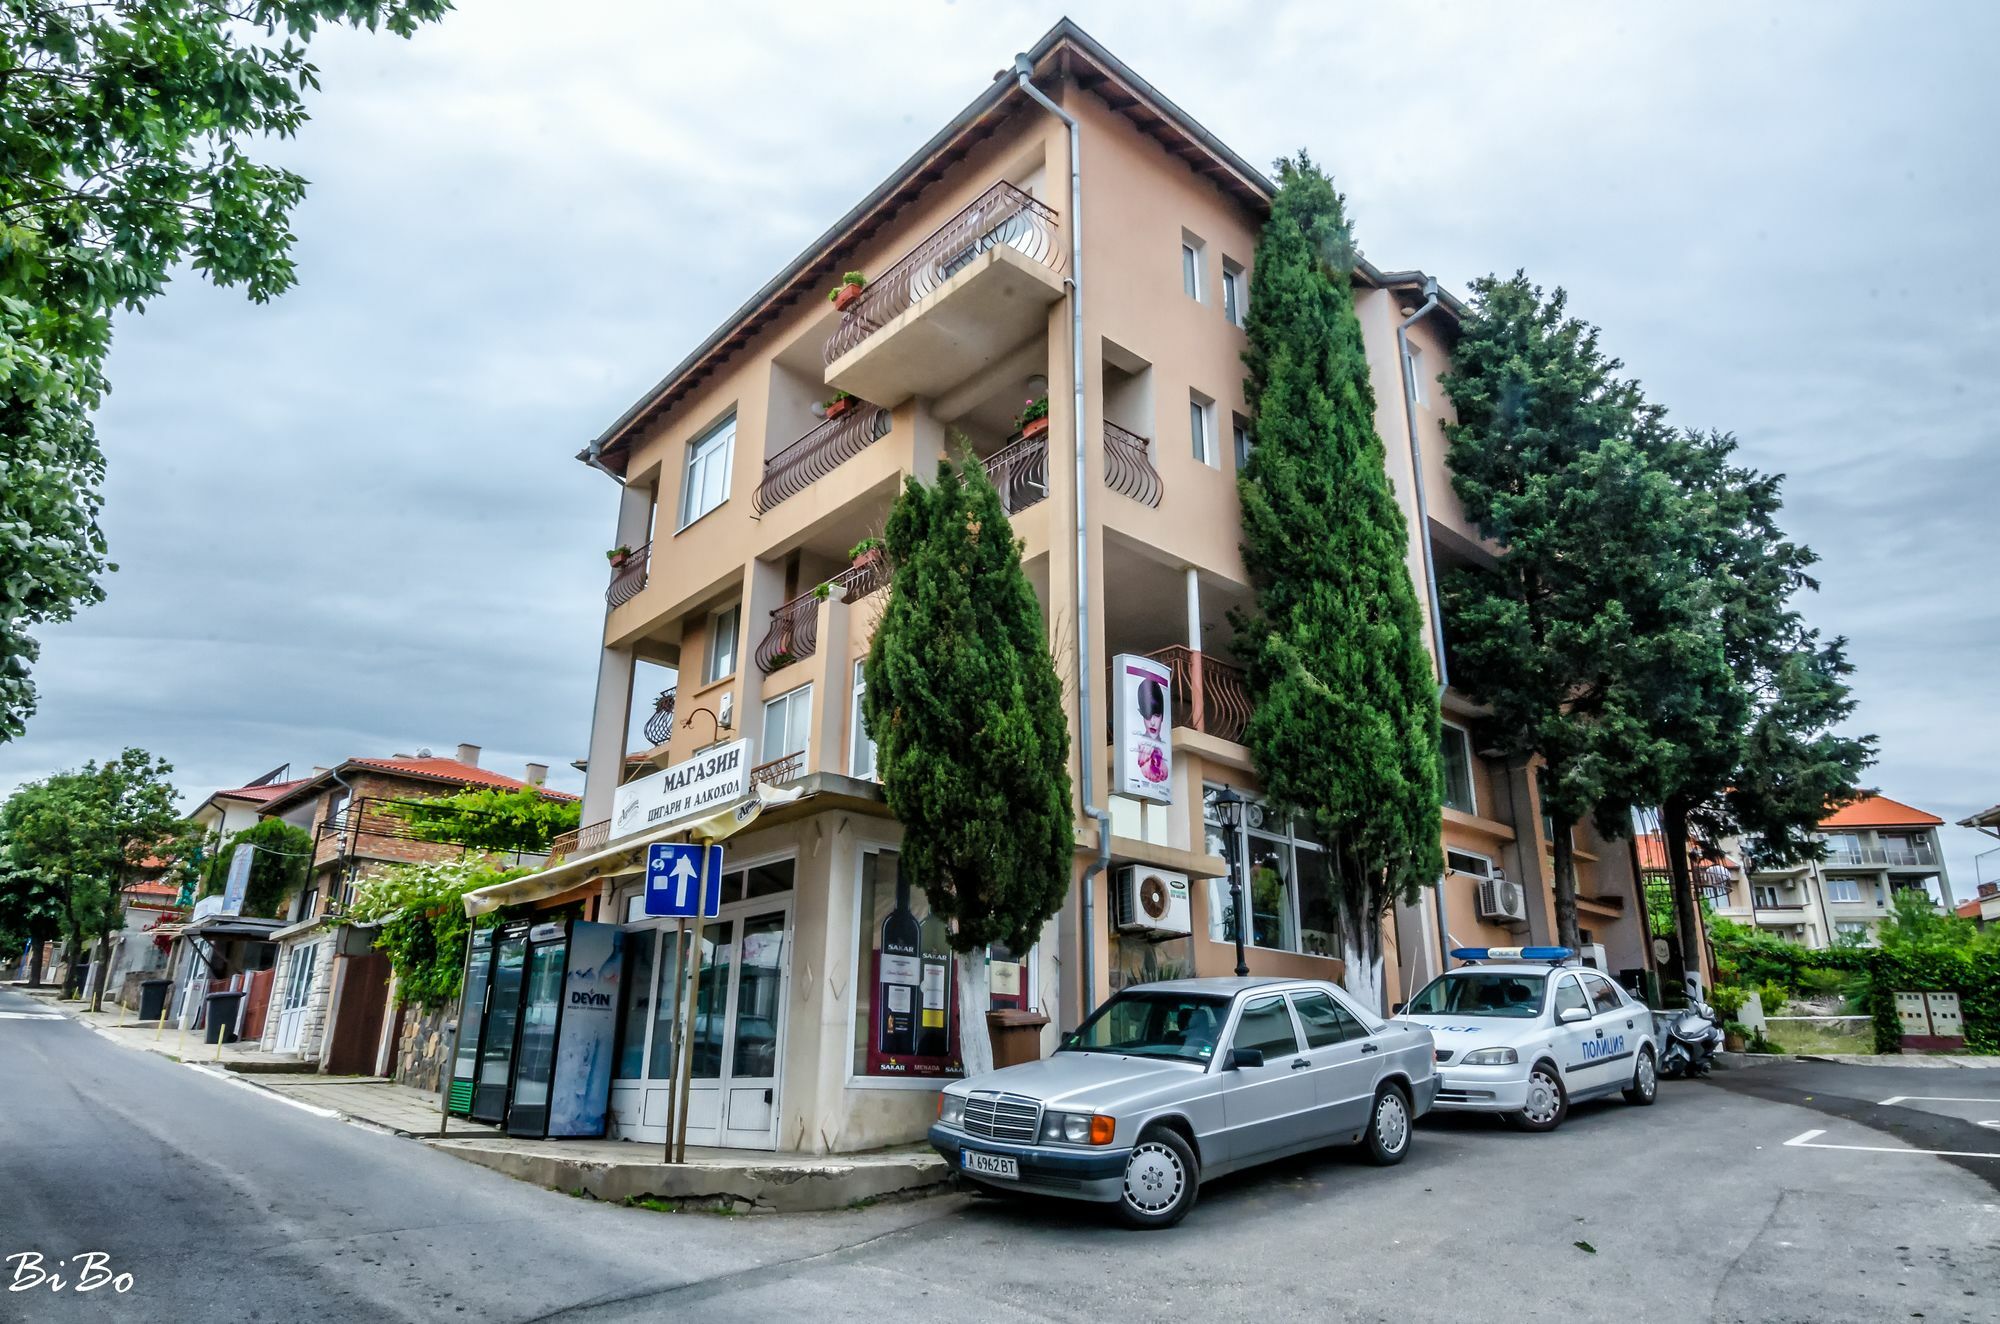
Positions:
(1524, 1033)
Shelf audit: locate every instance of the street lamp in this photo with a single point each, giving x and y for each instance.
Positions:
(1228, 808)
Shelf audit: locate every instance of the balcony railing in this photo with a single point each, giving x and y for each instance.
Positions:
(580, 841)
(778, 771)
(794, 632)
(1128, 466)
(1909, 854)
(629, 577)
(1002, 214)
(821, 451)
(1860, 855)
(1021, 471)
(660, 726)
(1210, 696)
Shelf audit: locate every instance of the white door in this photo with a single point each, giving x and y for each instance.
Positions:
(298, 988)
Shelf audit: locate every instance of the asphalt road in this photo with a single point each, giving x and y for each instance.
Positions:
(225, 1203)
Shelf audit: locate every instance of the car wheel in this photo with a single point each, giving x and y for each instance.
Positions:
(1645, 1086)
(1160, 1180)
(1547, 1103)
(1388, 1138)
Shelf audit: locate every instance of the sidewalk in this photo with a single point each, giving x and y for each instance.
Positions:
(171, 1041)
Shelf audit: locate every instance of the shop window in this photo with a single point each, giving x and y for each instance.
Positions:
(1287, 883)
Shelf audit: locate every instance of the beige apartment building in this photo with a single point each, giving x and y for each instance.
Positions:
(1073, 235)
(1873, 847)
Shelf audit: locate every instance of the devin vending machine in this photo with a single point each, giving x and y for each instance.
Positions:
(569, 1018)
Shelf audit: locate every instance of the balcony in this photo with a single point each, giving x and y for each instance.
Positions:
(1908, 854)
(1128, 466)
(628, 577)
(978, 287)
(580, 841)
(821, 451)
(1210, 696)
(778, 771)
(1020, 469)
(793, 635)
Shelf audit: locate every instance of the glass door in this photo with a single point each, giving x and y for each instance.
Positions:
(503, 1013)
(648, 1032)
(298, 990)
(528, 1112)
(756, 1022)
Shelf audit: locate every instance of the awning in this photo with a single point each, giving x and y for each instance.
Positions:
(625, 856)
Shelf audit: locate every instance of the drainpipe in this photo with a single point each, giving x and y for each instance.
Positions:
(1024, 69)
(590, 455)
(1424, 542)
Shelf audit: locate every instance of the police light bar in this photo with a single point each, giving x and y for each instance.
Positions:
(1511, 953)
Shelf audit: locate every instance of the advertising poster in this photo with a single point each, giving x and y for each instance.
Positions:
(237, 885)
(1142, 726)
(580, 1094)
(709, 780)
(909, 1006)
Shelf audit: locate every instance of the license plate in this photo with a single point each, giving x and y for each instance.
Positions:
(990, 1165)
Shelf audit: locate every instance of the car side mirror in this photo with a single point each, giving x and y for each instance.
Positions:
(1571, 1015)
(1245, 1057)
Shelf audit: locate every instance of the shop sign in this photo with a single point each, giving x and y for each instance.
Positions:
(1141, 727)
(706, 781)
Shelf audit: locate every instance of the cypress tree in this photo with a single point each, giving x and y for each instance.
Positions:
(1344, 717)
(964, 705)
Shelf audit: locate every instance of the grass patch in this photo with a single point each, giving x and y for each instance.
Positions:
(648, 1202)
(1823, 1036)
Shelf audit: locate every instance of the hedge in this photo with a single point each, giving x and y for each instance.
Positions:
(1975, 977)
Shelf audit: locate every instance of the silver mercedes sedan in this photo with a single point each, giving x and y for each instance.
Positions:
(1172, 1083)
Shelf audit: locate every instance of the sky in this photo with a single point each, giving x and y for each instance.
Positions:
(349, 522)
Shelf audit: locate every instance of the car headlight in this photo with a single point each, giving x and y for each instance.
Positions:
(1491, 1057)
(951, 1108)
(1077, 1128)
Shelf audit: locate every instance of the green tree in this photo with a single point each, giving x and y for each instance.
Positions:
(423, 922)
(123, 127)
(1594, 595)
(965, 708)
(1344, 704)
(488, 818)
(1917, 925)
(280, 867)
(33, 904)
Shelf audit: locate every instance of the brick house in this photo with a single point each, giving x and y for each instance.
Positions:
(333, 993)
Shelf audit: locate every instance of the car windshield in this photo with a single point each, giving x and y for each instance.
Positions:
(1153, 1024)
(1481, 993)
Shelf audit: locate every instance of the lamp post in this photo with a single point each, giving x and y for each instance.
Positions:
(1228, 806)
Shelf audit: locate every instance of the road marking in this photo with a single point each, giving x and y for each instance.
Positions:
(1805, 1140)
(32, 1016)
(241, 1083)
(1928, 1098)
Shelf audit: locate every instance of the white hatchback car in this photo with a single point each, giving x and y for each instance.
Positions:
(1522, 1033)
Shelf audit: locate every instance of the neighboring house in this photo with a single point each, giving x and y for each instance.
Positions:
(331, 997)
(744, 487)
(1984, 906)
(1872, 847)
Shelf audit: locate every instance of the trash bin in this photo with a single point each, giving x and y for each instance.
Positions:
(1017, 1036)
(220, 1009)
(153, 998)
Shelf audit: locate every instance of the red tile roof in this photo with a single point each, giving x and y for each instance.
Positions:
(268, 791)
(1968, 909)
(1653, 853)
(451, 770)
(1879, 811)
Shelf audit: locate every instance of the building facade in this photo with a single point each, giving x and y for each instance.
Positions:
(1873, 847)
(751, 479)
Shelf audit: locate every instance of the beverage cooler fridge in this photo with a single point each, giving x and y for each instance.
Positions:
(538, 1019)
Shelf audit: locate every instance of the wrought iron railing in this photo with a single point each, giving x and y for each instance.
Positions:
(794, 632)
(580, 841)
(628, 577)
(1002, 214)
(1210, 696)
(1128, 466)
(779, 771)
(821, 451)
(1021, 471)
(660, 726)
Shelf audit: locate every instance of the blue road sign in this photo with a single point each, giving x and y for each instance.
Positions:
(674, 880)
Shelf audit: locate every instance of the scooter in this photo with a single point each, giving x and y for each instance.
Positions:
(1690, 1040)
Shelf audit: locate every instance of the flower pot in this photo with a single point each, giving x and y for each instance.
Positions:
(845, 299)
(618, 561)
(868, 558)
(836, 408)
(1035, 428)
(1735, 1043)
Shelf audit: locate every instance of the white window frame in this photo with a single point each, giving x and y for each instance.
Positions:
(857, 736)
(800, 694)
(1766, 895)
(695, 470)
(1471, 782)
(1847, 884)
(1413, 365)
(718, 638)
(1233, 289)
(1201, 430)
(1469, 855)
(1191, 259)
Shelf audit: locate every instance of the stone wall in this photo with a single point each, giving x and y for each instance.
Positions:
(425, 1045)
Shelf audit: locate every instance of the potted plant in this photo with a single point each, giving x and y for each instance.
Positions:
(618, 556)
(839, 404)
(849, 289)
(866, 552)
(1034, 420)
(824, 591)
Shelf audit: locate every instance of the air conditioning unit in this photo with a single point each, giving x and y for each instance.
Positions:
(1149, 900)
(1593, 956)
(1502, 899)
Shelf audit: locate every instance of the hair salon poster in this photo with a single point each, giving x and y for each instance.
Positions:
(1141, 727)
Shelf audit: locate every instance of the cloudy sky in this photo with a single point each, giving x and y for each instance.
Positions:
(349, 523)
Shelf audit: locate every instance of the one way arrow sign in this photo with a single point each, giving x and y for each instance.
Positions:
(677, 885)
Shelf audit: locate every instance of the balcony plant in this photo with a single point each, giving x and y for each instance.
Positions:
(824, 591)
(1034, 420)
(838, 405)
(866, 552)
(618, 556)
(849, 289)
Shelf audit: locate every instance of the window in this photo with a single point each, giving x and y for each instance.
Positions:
(336, 805)
(1851, 928)
(1232, 292)
(1765, 896)
(1843, 889)
(1603, 994)
(861, 761)
(1457, 751)
(1287, 883)
(706, 484)
(1240, 429)
(719, 660)
(1568, 995)
(1464, 861)
(787, 724)
(1326, 1021)
(1413, 364)
(1201, 429)
(1148, 1024)
(1191, 266)
(906, 989)
(1266, 1026)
